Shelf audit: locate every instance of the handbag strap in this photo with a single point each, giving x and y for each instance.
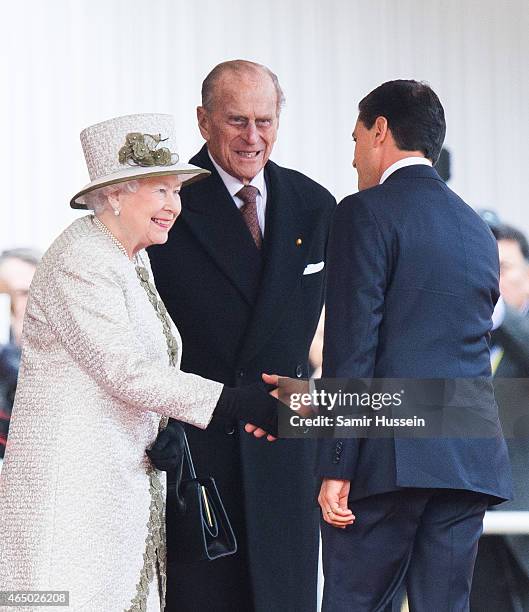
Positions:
(187, 452)
(180, 431)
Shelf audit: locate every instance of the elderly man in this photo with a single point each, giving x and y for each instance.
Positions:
(412, 281)
(242, 276)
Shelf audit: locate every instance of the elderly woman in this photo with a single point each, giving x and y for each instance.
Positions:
(81, 506)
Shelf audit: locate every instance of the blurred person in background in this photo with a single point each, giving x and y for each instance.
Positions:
(17, 267)
(501, 577)
(514, 267)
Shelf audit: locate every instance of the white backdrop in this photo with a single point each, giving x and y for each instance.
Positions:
(66, 64)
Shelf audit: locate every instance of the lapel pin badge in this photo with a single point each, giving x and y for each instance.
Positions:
(299, 241)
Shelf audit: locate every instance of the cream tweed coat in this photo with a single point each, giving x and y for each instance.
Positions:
(81, 508)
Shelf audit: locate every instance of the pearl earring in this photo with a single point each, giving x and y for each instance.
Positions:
(116, 212)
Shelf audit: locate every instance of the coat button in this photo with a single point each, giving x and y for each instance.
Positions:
(229, 429)
(241, 373)
(299, 371)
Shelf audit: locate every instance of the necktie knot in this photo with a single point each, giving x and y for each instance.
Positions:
(248, 194)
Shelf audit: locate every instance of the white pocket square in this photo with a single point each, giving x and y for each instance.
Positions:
(313, 268)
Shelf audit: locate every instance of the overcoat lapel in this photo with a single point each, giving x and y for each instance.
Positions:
(289, 225)
(211, 214)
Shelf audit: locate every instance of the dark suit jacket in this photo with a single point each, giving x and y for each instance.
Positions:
(412, 282)
(242, 312)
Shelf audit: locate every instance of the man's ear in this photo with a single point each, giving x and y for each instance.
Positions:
(203, 122)
(381, 130)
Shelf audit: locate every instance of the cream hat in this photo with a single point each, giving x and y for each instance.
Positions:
(129, 147)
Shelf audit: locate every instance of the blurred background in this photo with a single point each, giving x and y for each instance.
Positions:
(67, 64)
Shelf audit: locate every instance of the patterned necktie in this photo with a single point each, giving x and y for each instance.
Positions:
(248, 194)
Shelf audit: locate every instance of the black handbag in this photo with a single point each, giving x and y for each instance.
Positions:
(198, 527)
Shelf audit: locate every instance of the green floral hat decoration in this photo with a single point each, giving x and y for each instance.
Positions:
(129, 147)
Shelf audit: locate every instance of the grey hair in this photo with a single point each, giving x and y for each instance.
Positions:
(97, 200)
(25, 254)
(239, 67)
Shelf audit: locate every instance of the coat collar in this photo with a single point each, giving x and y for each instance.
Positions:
(234, 185)
(214, 219)
(413, 172)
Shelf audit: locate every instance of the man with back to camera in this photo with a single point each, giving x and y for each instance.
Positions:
(242, 277)
(412, 283)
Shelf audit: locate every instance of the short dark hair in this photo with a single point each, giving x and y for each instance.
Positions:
(414, 114)
(508, 232)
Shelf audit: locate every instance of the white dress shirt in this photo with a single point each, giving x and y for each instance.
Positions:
(234, 185)
(402, 163)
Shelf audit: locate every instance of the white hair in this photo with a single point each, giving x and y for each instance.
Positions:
(238, 67)
(97, 200)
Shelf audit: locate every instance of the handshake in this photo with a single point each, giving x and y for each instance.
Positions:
(257, 405)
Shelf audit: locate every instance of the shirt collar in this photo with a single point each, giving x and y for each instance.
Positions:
(234, 185)
(402, 163)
